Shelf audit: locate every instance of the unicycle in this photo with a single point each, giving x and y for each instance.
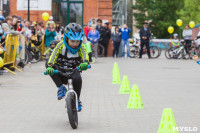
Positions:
(71, 96)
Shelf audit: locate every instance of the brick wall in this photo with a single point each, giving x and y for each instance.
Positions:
(105, 12)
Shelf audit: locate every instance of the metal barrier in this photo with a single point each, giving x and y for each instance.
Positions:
(15, 49)
(11, 46)
(42, 46)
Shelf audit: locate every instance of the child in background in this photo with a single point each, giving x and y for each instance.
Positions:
(175, 42)
(88, 47)
(52, 46)
(50, 21)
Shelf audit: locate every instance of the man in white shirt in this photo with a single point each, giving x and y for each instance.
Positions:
(187, 35)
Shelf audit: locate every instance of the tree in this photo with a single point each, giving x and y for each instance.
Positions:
(190, 12)
(159, 13)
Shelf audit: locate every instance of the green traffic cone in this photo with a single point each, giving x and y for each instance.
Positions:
(125, 87)
(167, 122)
(116, 74)
(135, 100)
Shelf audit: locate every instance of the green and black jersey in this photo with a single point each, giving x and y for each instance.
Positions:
(62, 57)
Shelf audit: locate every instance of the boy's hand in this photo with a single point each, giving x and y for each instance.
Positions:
(195, 57)
(83, 66)
(50, 71)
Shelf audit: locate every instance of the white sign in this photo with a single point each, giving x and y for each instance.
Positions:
(34, 5)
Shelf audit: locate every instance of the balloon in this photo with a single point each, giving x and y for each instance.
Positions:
(1, 62)
(179, 22)
(191, 24)
(45, 16)
(1, 50)
(170, 29)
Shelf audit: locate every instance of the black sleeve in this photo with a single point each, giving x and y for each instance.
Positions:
(109, 34)
(140, 33)
(149, 33)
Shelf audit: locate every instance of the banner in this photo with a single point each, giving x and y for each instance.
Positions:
(44, 5)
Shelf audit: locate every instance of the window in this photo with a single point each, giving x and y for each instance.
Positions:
(68, 11)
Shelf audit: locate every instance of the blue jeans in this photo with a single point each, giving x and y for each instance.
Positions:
(125, 43)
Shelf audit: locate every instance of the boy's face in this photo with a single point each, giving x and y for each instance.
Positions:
(73, 43)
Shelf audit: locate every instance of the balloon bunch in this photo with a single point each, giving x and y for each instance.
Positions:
(179, 23)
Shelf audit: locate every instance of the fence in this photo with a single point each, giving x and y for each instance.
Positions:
(15, 51)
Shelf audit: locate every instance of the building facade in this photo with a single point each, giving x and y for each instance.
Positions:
(65, 11)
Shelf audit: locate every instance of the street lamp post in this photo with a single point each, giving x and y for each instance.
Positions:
(28, 10)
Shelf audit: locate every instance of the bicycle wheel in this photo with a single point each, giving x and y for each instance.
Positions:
(36, 55)
(134, 51)
(154, 52)
(168, 54)
(72, 110)
(100, 50)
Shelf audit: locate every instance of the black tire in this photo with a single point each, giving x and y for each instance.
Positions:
(167, 54)
(134, 51)
(36, 54)
(154, 52)
(27, 56)
(100, 50)
(72, 110)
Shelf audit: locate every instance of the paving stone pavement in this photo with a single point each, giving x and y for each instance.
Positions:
(28, 101)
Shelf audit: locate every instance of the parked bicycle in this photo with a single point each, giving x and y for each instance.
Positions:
(134, 49)
(177, 52)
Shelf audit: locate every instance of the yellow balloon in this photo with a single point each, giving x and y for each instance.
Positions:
(179, 22)
(1, 62)
(45, 16)
(170, 29)
(1, 50)
(191, 24)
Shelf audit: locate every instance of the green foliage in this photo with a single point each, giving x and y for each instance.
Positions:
(190, 12)
(159, 13)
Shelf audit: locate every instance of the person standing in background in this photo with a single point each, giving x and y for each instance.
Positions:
(125, 36)
(100, 29)
(86, 29)
(145, 35)
(93, 37)
(58, 31)
(50, 34)
(116, 40)
(106, 38)
(187, 36)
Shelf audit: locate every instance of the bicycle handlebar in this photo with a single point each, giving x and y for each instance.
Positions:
(67, 74)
